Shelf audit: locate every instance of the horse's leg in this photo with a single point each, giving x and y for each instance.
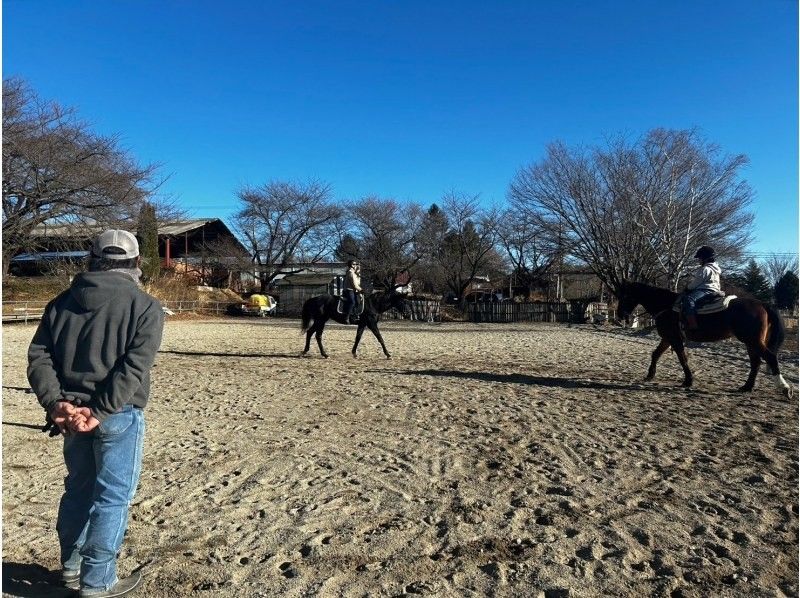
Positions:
(374, 327)
(754, 352)
(309, 334)
(683, 359)
(361, 325)
(320, 327)
(659, 351)
(772, 362)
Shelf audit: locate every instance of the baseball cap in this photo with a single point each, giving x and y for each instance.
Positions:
(115, 244)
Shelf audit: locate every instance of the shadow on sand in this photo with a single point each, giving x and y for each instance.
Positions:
(248, 355)
(548, 381)
(30, 580)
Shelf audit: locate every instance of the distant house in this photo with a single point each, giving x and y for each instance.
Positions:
(197, 246)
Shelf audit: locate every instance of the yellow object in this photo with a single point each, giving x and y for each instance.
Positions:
(259, 301)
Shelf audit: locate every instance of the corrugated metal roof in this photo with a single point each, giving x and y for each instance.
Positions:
(184, 226)
(88, 230)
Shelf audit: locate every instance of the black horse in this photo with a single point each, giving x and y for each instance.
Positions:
(755, 324)
(322, 308)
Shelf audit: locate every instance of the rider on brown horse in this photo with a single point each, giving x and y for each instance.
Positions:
(703, 287)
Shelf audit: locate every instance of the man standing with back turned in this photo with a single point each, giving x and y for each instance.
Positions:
(89, 365)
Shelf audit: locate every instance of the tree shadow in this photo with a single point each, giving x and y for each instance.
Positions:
(31, 580)
(248, 355)
(548, 381)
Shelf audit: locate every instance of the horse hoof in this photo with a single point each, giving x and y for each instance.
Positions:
(745, 388)
(787, 392)
(388, 356)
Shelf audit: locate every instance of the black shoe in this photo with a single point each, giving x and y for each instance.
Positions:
(122, 587)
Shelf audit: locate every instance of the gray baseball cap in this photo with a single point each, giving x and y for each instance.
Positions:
(115, 244)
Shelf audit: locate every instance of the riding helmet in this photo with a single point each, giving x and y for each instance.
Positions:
(706, 254)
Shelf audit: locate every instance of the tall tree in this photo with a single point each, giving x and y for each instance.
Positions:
(530, 250)
(347, 249)
(147, 231)
(56, 170)
(776, 265)
(285, 223)
(689, 194)
(386, 231)
(468, 247)
(429, 273)
(786, 291)
(753, 282)
(638, 210)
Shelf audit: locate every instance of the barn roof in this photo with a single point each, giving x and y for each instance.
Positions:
(165, 228)
(305, 280)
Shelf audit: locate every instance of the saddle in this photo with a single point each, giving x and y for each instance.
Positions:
(358, 309)
(710, 306)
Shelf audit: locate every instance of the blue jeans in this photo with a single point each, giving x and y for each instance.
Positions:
(350, 300)
(103, 468)
(694, 299)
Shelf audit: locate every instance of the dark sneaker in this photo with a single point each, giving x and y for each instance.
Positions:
(121, 588)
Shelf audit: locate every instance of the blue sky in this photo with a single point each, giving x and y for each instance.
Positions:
(412, 99)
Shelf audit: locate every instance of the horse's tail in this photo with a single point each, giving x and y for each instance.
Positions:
(777, 331)
(308, 308)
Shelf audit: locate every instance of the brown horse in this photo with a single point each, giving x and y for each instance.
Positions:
(755, 324)
(322, 308)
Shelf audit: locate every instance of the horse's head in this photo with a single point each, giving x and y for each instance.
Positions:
(626, 300)
(397, 301)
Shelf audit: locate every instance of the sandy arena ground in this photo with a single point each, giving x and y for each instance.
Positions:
(481, 460)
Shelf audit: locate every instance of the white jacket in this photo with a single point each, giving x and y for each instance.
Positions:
(706, 278)
(352, 281)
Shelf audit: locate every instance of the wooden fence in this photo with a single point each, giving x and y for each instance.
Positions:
(519, 312)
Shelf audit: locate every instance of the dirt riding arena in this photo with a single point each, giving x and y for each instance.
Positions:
(481, 460)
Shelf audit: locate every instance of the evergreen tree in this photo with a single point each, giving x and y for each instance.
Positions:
(752, 281)
(347, 249)
(147, 232)
(786, 291)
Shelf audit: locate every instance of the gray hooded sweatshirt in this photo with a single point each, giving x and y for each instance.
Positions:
(96, 343)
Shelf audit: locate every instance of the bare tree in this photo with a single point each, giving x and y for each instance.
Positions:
(529, 248)
(629, 212)
(689, 195)
(777, 264)
(57, 171)
(286, 223)
(468, 247)
(386, 232)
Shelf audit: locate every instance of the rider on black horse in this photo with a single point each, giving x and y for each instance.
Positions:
(352, 285)
(703, 287)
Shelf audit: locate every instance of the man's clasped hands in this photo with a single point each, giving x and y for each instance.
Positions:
(72, 418)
